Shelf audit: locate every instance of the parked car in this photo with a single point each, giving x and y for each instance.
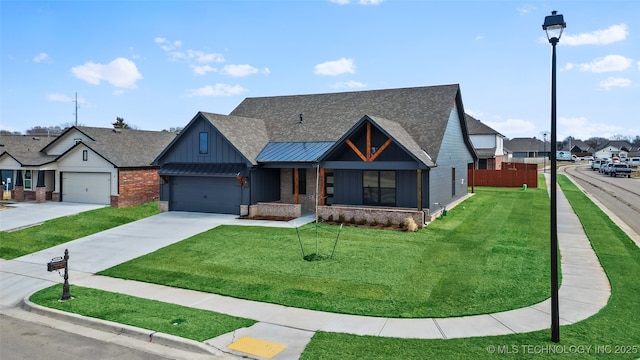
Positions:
(619, 169)
(595, 164)
(603, 168)
(633, 161)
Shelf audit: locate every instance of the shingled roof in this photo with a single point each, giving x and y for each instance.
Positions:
(422, 113)
(249, 136)
(127, 147)
(25, 149)
(477, 127)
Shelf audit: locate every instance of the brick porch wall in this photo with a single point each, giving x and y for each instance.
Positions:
(136, 187)
(308, 200)
(370, 214)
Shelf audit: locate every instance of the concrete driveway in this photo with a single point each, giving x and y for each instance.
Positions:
(23, 214)
(88, 255)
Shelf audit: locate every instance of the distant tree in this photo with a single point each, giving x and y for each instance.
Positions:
(69, 124)
(176, 129)
(44, 130)
(596, 142)
(120, 124)
(636, 141)
(7, 132)
(620, 137)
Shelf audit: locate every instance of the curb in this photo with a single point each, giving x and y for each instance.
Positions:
(122, 329)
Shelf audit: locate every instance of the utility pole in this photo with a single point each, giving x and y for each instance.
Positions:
(76, 113)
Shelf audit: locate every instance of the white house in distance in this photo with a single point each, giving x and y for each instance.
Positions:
(614, 148)
(488, 144)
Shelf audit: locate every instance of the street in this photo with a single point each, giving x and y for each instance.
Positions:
(620, 195)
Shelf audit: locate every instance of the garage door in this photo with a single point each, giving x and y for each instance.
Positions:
(91, 188)
(220, 195)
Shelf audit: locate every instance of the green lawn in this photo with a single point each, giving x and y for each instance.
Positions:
(57, 231)
(153, 315)
(489, 254)
(613, 333)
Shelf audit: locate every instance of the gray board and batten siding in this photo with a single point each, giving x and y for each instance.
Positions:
(210, 187)
(448, 181)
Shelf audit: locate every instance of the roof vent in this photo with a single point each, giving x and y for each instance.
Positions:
(117, 130)
(35, 138)
(301, 121)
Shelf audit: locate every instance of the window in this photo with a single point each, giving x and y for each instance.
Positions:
(85, 155)
(27, 182)
(379, 188)
(302, 181)
(204, 143)
(453, 181)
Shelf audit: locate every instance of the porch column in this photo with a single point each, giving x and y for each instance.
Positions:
(419, 189)
(296, 186)
(18, 187)
(41, 191)
(322, 195)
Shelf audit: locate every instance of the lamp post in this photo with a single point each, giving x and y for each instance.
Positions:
(544, 150)
(553, 26)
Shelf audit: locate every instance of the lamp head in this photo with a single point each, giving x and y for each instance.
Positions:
(553, 26)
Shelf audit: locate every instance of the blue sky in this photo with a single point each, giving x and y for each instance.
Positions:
(157, 63)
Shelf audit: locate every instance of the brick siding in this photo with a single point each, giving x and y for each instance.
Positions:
(136, 187)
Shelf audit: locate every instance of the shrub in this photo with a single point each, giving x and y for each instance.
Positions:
(352, 220)
(410, 224)
(362, 221)
(330, 218)
(389, 223)
(375, 222)
(341, 218)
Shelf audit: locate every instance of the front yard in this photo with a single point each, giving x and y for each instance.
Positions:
(489, 254)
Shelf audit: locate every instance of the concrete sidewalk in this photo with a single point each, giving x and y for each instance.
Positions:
(24, 214)
(585, 287)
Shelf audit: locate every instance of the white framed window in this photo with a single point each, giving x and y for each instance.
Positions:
(27, 176)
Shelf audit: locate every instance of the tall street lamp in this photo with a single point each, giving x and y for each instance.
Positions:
(553, 26)
(544, 148)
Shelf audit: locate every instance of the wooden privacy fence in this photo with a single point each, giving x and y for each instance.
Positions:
(504, 178)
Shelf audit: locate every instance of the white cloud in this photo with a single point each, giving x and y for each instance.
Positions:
(480, 37)
(569, 66)
(337, 67)
(198, 56)
(349, 85)
(525, 9)
(203, 69)
(198, 60)
(607, 64)
(610, 35)
(239, 70)
(167, 45)
(217, 90)
(42, 57)
(120, 72)
(612, 82)
(582, 128)
(513, 127)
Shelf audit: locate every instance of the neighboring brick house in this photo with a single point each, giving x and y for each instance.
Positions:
(84, 164)
(488, 144)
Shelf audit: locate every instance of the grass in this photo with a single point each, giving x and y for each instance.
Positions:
(613, 333)
(472, 261)
(153, 315)
(61, 230)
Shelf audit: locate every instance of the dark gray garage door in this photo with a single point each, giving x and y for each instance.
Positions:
(220, 195)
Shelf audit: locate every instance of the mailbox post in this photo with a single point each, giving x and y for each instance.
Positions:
(59, 263)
